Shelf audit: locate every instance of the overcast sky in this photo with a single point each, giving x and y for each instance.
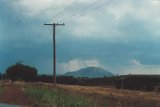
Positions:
(122, 36)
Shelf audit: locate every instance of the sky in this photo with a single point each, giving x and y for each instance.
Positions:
(121, 36)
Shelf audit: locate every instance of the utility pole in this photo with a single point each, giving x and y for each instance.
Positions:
(54, 49)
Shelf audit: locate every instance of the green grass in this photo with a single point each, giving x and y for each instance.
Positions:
(44, 97)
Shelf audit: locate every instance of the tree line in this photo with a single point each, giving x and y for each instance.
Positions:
(21, 72)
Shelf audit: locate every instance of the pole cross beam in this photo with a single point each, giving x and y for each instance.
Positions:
(54, 49)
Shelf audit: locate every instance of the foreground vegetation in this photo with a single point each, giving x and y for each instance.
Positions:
(1, 89)
(53, 97)
(111, 97)
(46, 95)
(37, 90)
(35, 95)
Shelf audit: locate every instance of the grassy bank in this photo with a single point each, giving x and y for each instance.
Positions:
(45, 97)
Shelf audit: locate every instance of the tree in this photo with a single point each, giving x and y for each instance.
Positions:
(21, 72)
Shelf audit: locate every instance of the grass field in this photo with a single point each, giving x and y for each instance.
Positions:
(40, 96)
(110, 97)
(53, 97)
(46, 95)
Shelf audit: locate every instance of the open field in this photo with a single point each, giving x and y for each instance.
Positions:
(116, 97)
(46, 95)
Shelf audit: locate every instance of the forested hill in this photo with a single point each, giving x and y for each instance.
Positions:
(91, 72)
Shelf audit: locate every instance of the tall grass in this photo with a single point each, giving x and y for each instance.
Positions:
(44, 97)
(110, 97)
(1, 89)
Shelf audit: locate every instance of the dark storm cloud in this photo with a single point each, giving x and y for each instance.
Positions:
(118, 36)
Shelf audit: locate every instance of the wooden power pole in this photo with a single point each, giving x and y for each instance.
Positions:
(54, 49)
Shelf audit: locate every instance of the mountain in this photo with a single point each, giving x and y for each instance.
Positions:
(91, 72)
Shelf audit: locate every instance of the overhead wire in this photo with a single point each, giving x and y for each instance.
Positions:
(80, 14)
(63, 10)
(58, 14)
(105, 3)
(82, 10)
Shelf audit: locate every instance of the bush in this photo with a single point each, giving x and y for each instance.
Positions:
(21, 72)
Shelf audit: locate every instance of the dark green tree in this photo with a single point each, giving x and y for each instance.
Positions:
(21, 72)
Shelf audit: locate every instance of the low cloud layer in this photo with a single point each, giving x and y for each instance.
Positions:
(76, 64)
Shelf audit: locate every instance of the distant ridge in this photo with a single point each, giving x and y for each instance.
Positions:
(91, 72)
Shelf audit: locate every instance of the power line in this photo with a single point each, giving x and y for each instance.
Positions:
(59, 13)
(97, 7)
(80, 13)
(83, 14)
(73, 15)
